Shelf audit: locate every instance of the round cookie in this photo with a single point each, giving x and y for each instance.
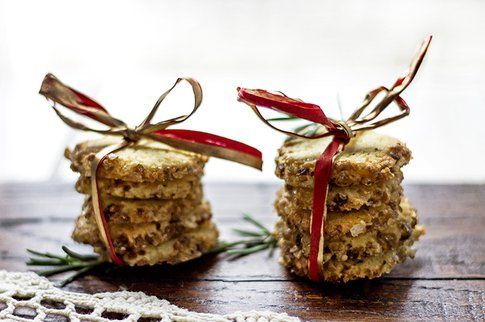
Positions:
(368, 158)
(119, 210)
(371, 242)
(147, 161)
(346, 198)
(352, 223)
(368, 254)
(343, 271)
(128, 237)
(184, 247)
(174, 189)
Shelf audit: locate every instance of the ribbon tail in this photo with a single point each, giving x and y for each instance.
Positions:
(321, 180)
(57, 92)
(99, 216)
(211, 145)
(283, 104)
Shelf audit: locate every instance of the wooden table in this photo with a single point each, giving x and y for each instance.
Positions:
(446, 280)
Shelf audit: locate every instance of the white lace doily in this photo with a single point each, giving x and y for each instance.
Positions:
(29, 291)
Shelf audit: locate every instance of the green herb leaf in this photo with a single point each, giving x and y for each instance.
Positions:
(57, 264)
(77, 255)
(257, 240)
(248, 233)
(253, 221)
(287, 118)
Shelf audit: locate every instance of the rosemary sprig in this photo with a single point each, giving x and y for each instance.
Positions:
(255, 240)
(283, 118)
(307, 129)
(69, 261)
(311, 130)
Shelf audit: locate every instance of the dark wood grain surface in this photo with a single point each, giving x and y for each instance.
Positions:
(446, 280)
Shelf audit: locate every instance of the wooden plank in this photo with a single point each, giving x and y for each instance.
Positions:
(444, 252)
(229, 200)
(446, 280)
(363, 301)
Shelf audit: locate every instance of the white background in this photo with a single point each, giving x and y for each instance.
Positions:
(126, 53)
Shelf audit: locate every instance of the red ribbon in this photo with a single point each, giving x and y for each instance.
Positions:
(322, 174)
(209, 139)
(323, 166)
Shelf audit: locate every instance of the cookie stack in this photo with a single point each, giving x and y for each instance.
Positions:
(152, 198)
(370, 225)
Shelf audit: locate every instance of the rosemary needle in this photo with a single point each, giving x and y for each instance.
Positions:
(69, 261)
(259, 240)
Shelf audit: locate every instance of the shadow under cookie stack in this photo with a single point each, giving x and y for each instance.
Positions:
(370, 225)
(152, 198)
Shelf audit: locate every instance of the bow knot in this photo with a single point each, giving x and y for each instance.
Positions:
(131, 135)
(344, 130)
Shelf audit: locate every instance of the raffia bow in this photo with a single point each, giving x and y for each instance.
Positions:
(342, 132)
(195, 141)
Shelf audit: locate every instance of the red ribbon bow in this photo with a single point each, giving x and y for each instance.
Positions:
(194, 141)
(342, 132)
